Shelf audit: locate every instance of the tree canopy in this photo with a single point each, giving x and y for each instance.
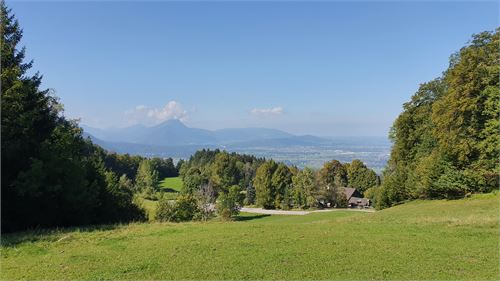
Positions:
(446, 141)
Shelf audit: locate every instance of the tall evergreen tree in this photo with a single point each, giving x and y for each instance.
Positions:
(28, 114)
(51, 176)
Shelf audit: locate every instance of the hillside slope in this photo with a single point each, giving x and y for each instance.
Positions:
(416, 241)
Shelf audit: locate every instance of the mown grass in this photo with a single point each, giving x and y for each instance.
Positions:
(171, 184)
(421, 240)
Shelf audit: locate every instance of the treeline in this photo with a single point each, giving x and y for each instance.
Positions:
(51, 175)
(129, 165)
(283, 187)
(273, 185)
(446, 141)
(220, 170)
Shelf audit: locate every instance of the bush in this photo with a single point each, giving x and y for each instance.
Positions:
(185, 208)
(341, 200)
(372, 194)
(228, 204)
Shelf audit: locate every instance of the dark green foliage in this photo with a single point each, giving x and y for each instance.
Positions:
(126, 164)
(264, 188)
(360, 177)
(229, 204)
(117, 203)
(185, 208)
(218, 168)
(332, 179)
(333, 174)
(29, 115)
(192, 179)
(281, 182)
(122, 164)
(179, 165)
(51, 176)
(165, 167)
(290, 187)
(224, 172)
(250, 195)
(446, 141)
(305, 189)
(147, 180)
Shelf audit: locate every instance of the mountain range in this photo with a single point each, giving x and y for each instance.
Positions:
(175, 137)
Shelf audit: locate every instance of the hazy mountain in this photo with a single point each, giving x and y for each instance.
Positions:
(174, 132)
(174, 139)
(131, 134)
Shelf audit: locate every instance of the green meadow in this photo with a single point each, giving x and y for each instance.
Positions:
(171, 184)
(171, 188)
(420, 240)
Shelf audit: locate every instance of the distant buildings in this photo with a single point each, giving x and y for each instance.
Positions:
(355, 199)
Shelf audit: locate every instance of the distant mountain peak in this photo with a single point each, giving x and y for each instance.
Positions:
(175, 132)
(171, 123)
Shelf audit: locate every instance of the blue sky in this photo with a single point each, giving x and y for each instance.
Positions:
(323, 68)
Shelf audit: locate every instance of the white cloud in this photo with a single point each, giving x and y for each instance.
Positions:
(146, 115)
(266, 112)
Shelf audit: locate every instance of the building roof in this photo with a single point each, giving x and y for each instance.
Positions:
(349, 191)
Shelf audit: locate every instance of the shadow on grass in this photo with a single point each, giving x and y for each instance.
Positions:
(251, 217)
(168, 189)
(50, 234)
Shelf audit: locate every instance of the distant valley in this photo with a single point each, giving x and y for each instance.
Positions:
(174, 139)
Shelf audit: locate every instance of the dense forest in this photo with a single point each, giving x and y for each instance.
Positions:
(446, 141)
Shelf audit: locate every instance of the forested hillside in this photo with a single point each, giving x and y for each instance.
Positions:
(446, 141)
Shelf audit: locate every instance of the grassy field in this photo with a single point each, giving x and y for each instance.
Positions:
(171, 184)
(171, 187)
(420, 240)
(150, 207)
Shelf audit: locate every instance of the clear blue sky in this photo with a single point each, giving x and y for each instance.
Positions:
(323, 68)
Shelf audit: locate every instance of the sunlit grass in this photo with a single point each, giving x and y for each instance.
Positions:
(422, 240)
(172, 184)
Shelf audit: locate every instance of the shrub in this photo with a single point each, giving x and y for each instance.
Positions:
(341, 200)
(228, 204)
(185, 208)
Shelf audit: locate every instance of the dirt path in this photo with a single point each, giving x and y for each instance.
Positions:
(299, 213)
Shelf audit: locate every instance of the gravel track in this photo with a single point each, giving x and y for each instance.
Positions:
(299, 213)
